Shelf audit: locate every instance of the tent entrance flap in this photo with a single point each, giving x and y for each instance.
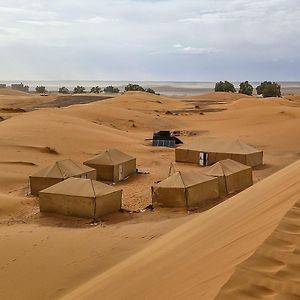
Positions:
(203, 158)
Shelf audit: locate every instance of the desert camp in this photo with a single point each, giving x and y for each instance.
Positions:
(80, 198)
(120, 237)
(232, 176)
(185, 189)
(112, 165)
(57, 172)
(149, 150)
(211, 150)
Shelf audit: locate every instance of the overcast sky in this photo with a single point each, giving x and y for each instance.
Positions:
(186, 40)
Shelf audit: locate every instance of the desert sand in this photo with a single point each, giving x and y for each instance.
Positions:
(202, 255)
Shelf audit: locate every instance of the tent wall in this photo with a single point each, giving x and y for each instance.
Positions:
(80, 206)
(185, 155)
(241, 158)
(254, 159)
(222, 185)
(169, 197)
(239, 181)
(214, 157)
(40, 183)
(203, 191)
(66, 205)
(89, 175)
(104, 172)
(192, 156)
(124, 170)
(114, 173)
(235, 182)
(108, 203)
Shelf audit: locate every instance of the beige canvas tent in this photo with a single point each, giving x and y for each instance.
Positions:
(232, 175)
(185, 189)
(80, 198)
(112, 165)
(208, 151)
(58, 172)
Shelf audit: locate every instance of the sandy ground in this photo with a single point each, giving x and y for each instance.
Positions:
(61, 253)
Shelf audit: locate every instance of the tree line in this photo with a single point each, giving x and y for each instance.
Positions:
(266, 88)
(79, 89)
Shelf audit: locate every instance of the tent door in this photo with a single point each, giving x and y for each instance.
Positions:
(203, 159)
(121, 172)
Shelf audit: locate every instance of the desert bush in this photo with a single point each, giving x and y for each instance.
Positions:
(246, 88)
(138, 88)
(111, 89)
(149, 90)
(134, 87)
(96, 89)
(79, 89)
(40, 89)
(269, 89)
(63, 90)
(225, 86)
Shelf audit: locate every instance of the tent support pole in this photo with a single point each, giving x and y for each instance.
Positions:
(186, 198)
(170, 169)
(28, 188)
(94, 203)
(225, 181)
(152, 194)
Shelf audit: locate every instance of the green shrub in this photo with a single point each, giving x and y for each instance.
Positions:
(225, 86)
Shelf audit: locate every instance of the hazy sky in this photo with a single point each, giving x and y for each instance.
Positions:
(150, 39)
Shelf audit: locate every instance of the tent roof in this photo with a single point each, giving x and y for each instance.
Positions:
(63, 169)
(225, 167)
(110, 157)
(183, 179)
(215, 145)
(80, 187)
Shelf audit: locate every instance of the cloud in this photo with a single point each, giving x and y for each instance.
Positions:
(179, 48)
(98, 20)
(44, 23)
(167, 39)
(194, 50)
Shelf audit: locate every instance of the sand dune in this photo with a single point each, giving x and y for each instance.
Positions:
(196, 259)
(220, 96)
(11, 92)
(32, 140)
(14, 99)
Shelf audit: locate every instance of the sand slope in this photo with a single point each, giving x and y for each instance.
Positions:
(196, 259)
(272, 272)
